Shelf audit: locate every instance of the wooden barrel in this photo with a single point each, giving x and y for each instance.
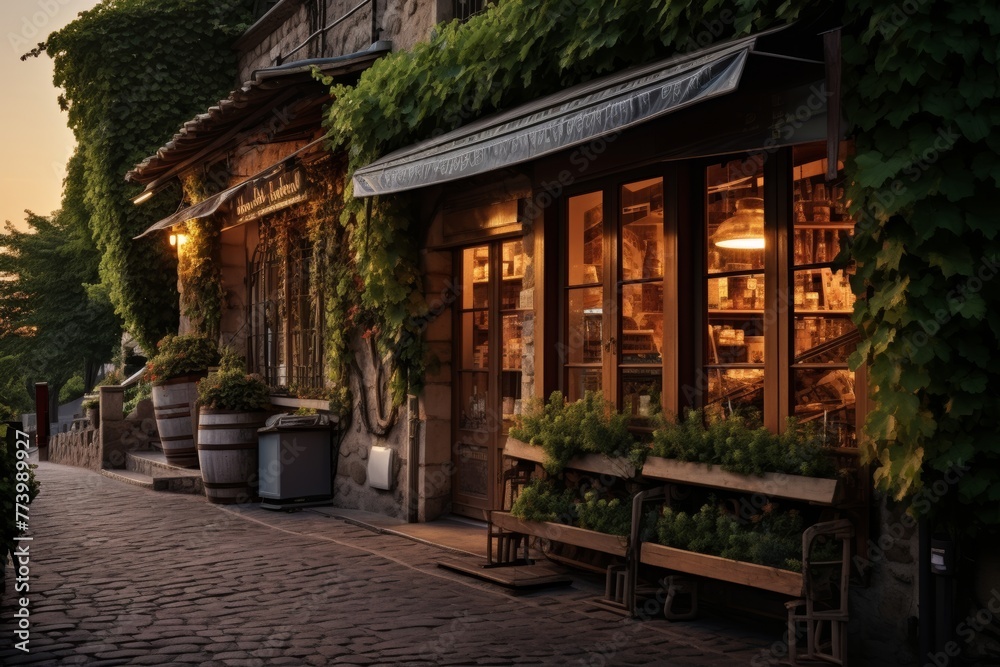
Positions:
(227, 449)
(173, 406)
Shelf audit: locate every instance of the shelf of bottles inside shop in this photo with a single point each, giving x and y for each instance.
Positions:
(822, 298)
(477, 412)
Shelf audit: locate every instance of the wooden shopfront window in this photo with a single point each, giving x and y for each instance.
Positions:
(722, 295)
(778, 315)
(286, 324)
(614, 337)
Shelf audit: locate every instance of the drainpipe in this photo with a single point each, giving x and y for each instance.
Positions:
(412, 459)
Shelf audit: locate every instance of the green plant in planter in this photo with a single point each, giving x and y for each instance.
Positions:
(178, 356)
(234, 389)
(588, 426)
(741, 444)
(90, 404)
(603, 515)
(135, 394)
(540, 501)
(771, 537)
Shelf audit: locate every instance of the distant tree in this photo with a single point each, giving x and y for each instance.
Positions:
(14, 398)
(131, 72)
(57, 319)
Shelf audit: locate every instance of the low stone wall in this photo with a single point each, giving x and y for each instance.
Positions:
(105, 446)
(80, 446)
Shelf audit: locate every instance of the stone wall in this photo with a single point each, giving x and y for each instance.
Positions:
(80, 447)
(403, 22)
(433, 495)
(351, 487)
(880, 612)
(104, 446)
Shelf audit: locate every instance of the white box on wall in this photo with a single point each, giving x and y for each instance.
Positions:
(380, 461)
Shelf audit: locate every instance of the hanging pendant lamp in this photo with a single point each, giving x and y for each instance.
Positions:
(745, 230)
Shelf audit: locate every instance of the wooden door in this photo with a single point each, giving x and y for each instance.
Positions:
(488, 359)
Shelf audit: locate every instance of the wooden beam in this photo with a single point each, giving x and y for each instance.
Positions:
(557, 532)
(815, 490)
(723, 569)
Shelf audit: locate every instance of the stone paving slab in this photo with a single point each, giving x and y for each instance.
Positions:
(122, 575)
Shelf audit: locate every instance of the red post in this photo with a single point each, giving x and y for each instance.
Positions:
(42, 419)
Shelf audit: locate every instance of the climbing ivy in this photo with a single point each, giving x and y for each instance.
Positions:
(198, 266)
(921, 83)
(131, 72)
(510, 53)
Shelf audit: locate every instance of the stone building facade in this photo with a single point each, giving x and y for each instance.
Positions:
(269, 126)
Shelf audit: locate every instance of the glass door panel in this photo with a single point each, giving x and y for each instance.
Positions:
(734, 338)
(639, 348)
(489, 356)
(582, 349)
(511, 330)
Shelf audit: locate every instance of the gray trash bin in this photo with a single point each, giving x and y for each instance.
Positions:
(296, 462)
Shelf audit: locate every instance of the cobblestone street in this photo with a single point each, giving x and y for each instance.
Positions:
(122, 575)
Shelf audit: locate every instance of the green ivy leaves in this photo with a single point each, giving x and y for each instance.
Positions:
(924, 182)
(133, 71)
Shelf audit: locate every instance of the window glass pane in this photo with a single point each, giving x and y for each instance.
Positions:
(474, 406)
(731, 389)
(476, 277)
(585, 335)
(826, 398)
(735, 215)
(581, 380)
(475, 340)
(642, 229)
(734, 336)
(822, 301)
(641, 390)
(585, 239)
(642, 324)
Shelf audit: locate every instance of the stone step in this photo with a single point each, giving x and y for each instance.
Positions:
(130, 477)
(155, 462)
(153, 465)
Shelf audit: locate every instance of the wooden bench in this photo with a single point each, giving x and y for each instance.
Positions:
(819, 590)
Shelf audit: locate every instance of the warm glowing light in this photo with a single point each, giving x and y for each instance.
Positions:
(753, 243)
(745, 230)
(177, 240)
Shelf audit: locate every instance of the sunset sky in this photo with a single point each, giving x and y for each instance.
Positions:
(34, 139)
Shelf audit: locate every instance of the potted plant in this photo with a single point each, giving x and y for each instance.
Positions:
(174, 371)
(739, 453)
(588, 434)
(91, 408)
(233, 405)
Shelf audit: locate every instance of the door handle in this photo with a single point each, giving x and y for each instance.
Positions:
(611, 345)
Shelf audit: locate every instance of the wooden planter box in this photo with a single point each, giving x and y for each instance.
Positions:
(734, 571)
(816, 490)
(557, 532)
(595, 463)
